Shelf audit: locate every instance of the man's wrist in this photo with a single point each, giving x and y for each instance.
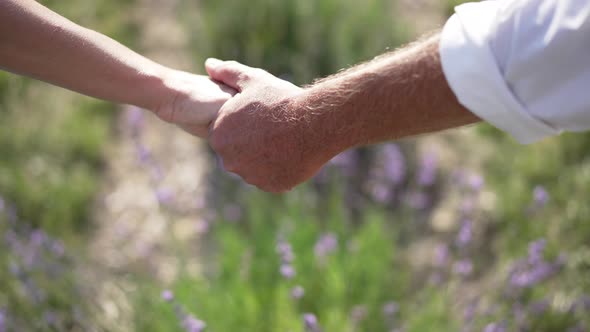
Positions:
(327, 132)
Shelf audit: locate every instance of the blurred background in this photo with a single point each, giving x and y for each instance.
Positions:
(113, 221)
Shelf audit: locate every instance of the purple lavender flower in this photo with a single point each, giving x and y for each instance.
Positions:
(467, 206)
(465, 234)
(578, 328)
(322, 176)
(427, 172)
(202, 225)
(232, 212)
(346, 162)
(494, 327)
(532, 276)
(441, 256)
(3, 320)
(57, 248)
(50, 318)
(381, 192)
(417, 200)
(393, 161)
(164, 196)
(287, 271)
(143, 154)
(297, 292)
(134, 119)
(463, 267)
(584, 302)
(539, 307)
(188, 322)
(475, 182)
(37, 238)
(534, 269)
(519, 314)
(540, 196)
(390, 308)
(436, 278)
(536, 249)
(167, 295)
(470, 311)
(326, 244)
(358, 313)
(310, 322)
(200, 202)
(191, 324)
(285, 251)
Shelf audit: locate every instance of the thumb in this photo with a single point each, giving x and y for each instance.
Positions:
(230, 73)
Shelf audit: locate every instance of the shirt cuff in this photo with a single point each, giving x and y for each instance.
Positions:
(472, 72)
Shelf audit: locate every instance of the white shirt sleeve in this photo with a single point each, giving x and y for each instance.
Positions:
(521, 65)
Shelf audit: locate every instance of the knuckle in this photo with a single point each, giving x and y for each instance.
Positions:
(245, 76)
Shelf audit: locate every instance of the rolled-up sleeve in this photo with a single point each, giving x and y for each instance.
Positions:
(521, 65)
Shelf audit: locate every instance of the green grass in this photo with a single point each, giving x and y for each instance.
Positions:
(51, 140)
(300, 40)
(243, 289)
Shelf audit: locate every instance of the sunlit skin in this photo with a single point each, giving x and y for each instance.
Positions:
(39, 43)
(272, 133)
(276, 135)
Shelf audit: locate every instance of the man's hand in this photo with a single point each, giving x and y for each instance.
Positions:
(276, 135)
(261, 134)
(193, 101)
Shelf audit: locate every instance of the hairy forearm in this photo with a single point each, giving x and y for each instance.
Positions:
(403, 93)
(38, 43)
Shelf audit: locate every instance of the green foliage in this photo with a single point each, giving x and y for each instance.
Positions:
(51, 155)
(51, 145)
(39, 290)
(432, 311)
(51, 140)
(301, 40)
(245, 291)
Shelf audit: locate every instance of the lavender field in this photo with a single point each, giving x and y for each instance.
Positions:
(111, 221)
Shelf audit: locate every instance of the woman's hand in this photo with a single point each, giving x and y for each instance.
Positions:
(193, 101)
(53, 49)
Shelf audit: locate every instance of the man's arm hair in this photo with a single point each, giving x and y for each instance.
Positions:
(398, 94)
(276, 135)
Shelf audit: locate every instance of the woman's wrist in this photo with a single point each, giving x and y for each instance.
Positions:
(153, 88)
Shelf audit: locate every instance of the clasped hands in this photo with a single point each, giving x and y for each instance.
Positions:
(254, 121)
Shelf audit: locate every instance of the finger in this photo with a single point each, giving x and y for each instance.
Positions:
(230, 73)
(189, 114)
(229, 106)
(196, 130)
(227, 89)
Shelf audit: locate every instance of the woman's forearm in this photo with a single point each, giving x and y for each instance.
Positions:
(36, 42)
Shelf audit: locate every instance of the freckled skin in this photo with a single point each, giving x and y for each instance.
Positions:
(276, 135)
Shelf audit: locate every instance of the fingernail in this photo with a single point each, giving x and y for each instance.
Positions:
(212, 62)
